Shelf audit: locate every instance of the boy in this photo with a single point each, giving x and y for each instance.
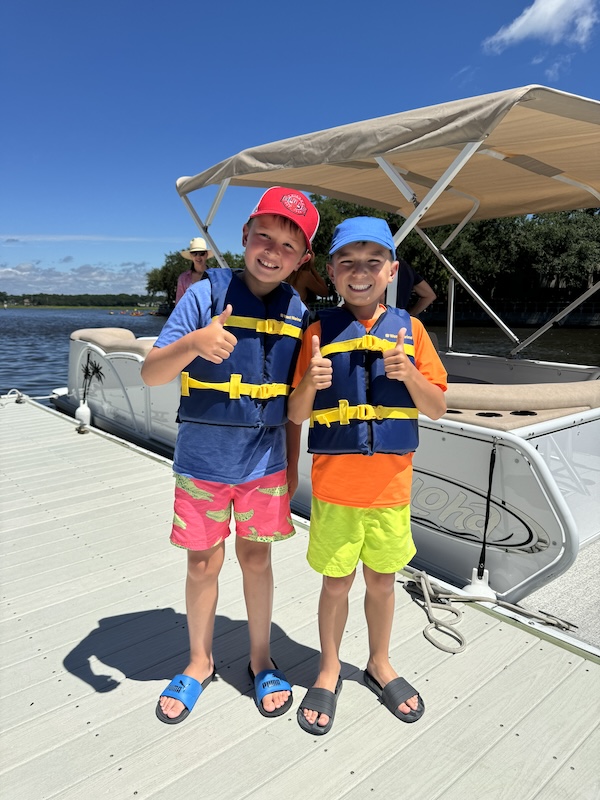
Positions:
(363, 374)
(235, 338)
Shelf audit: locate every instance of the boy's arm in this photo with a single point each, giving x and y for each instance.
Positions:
(213, 343)
(427, 397)
(292, 435)
(317, 376)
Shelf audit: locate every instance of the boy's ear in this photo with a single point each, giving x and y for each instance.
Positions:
(306, 257)
(330, 270)
(393, 270)
(245, 230)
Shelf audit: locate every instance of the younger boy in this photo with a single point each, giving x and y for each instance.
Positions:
(364, 372)
(235, 338)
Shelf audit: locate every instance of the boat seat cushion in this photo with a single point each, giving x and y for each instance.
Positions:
(115, 340)
(505, 407)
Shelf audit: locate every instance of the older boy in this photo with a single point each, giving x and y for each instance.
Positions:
(364, 372)
(234, 338)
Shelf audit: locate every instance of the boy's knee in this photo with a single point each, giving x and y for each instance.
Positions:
(380, 582)
(254, 559)
(338, 586)
(202, 567)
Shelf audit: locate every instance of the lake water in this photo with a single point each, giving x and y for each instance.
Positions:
(34, 343)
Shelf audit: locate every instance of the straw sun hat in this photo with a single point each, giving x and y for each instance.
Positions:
(196, 244)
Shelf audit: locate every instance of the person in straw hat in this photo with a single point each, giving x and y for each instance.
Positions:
(198, 253)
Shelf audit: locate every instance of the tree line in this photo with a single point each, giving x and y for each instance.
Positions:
(551, 257)
(111, 300)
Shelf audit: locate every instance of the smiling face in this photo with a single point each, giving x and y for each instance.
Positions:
(361, 272)
(199, 259)
(275, 248)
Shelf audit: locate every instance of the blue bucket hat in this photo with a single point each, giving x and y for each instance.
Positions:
(363, 229)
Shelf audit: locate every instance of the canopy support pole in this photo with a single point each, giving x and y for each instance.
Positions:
(411, 223)
(588, 293)
(455, 274)
(203, 226)
(432, 195)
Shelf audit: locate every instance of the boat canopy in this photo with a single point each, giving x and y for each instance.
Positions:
(520, 151)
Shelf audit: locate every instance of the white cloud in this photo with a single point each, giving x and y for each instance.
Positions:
(553, 21)
(11, 238)
(553, 71)
(29, 278)
(464, 76)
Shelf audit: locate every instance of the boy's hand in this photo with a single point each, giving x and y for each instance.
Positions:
(214, 343)
(396, 363)
(320, 371)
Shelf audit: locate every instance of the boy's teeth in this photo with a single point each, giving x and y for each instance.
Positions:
(360, 287)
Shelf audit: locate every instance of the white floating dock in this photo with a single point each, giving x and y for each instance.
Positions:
(93, 628)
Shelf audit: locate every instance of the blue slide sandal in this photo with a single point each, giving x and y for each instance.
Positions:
(266, 682)
(185, 689)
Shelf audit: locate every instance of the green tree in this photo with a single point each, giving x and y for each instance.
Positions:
(507, 258)
(163, 280)
(488, 253)
(564, 248)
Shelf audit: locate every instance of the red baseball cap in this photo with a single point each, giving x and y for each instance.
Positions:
(292, 204)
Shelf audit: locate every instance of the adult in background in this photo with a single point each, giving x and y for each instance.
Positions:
(198, 253)
(308, 283)
(410, 281)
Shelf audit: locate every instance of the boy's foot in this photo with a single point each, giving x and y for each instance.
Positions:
(317, 711)
(272, 692)
(397, 695)
(180, 697)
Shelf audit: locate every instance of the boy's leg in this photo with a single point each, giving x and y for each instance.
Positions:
(257, 572)
(333, 614)
(379, 611)
(201, 594)
(262, 514)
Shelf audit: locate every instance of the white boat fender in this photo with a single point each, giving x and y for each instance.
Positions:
(83, 415)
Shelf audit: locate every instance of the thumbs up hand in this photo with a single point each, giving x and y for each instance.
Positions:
(214, 342)
(396, 362)
(320, 370)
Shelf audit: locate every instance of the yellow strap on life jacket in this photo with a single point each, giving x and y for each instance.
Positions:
(366, 342)
(272, 326)
(345, 412)
(235, 388)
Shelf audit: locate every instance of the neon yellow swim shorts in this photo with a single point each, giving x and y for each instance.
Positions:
(341, 536)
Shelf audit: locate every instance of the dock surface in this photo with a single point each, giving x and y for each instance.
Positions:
(93, 627)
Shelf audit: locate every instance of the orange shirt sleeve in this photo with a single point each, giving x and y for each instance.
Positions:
(427, 359)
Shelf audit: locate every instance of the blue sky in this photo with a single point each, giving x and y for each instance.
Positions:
(106, 104)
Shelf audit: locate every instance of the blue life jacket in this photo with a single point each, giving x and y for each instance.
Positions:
(251, 387)
(363, 411)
